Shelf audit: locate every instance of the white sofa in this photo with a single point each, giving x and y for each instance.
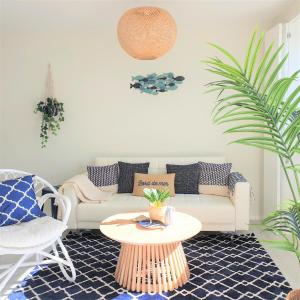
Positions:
(215, 212)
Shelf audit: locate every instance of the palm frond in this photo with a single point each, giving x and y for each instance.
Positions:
(264, 109)
(256, 97)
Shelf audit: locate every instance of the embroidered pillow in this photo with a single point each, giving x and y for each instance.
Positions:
(160, 182)
(126, 177)
(213, 178)
(186, 178)
(104, 177)
(18, 201)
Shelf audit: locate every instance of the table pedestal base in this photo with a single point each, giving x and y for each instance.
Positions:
(152, 268)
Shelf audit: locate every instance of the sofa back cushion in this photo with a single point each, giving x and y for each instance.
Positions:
(126, 175)
(213, 178)
(160, 182)
(186, 178)
(158, 164)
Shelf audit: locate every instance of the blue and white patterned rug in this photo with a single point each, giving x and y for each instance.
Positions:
(223, 266)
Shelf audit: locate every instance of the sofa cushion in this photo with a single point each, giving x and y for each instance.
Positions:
(126, 175)
(117, 204)
(104, 177)
(203, 207)
(30, 234)
(209, 209)
(186, 178)
(214, 178)
(161, 182)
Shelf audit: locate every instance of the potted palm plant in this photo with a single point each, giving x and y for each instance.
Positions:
(258, 103)
(157, 200)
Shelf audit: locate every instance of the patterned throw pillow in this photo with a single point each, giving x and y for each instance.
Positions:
(126, 177)
(213, 178)
(18, 201)
(161, 182)
(104, 177)
(186, 178)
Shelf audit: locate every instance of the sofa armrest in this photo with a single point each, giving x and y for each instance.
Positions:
(240, 194)
(69, 192)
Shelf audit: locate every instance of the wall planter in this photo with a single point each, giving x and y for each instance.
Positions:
(52, 111)
(52, 115)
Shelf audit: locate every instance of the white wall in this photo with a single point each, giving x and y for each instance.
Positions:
(289, 13)
(293, 65)
(271, 163)
(92, 75)
(276, 188)
(1, 82)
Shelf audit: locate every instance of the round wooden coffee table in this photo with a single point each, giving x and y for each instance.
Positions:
(151, 260)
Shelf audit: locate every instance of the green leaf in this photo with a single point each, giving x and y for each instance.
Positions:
(242, 119)
(262, 63)
(269, 66)
(249, 51)
(261, 105)
(274, 74)
(262, 145)
(227, 54)
(255, 54)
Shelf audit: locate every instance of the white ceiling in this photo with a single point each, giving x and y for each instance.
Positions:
(26, 14)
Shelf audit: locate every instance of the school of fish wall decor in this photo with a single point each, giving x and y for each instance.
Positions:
(154, 84)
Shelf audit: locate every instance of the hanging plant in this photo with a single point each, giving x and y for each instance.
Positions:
(52, 115)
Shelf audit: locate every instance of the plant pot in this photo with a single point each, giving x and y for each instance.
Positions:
(157, 213)
(293, 295)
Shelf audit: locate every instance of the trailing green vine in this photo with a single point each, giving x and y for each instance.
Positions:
(52, 115)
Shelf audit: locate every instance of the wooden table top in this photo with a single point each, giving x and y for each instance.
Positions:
(123, 228)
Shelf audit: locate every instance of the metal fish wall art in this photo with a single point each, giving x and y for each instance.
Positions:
(154, 84)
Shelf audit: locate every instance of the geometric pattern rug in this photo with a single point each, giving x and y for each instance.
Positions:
(222, 265)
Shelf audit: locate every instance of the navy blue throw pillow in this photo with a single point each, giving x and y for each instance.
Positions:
(186, 178)
(126, 175)
(18, 201)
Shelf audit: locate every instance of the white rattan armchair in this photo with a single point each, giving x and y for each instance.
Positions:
(35, 238)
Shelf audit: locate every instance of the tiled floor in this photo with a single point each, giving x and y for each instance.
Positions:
(286, 262)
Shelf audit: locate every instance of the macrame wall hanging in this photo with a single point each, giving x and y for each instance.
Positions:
(52, 111)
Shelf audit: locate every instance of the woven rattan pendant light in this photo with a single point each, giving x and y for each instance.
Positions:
(146, 32)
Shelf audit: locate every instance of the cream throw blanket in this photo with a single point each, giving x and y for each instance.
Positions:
(85, 190)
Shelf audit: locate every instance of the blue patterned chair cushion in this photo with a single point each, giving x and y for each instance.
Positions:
(18, 201)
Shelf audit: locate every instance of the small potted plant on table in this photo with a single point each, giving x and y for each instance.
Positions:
(157, 200)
